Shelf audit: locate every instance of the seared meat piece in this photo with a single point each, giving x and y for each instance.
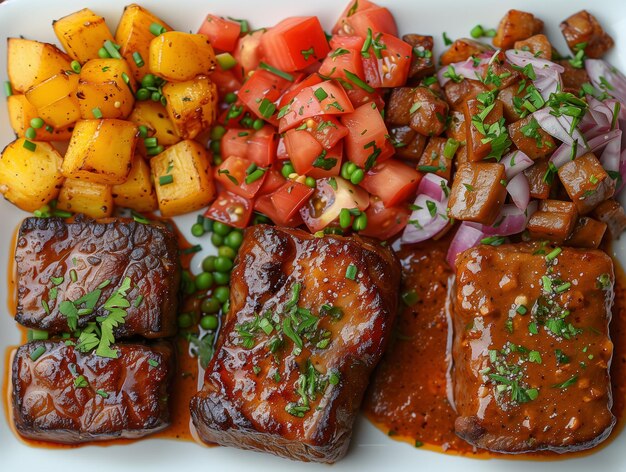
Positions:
(531, 348)
(516, 26)
(62, 395)
(309, 319)
(573, 78)
(81, 264)
(422, 61)
(398, 110)
(582, 30)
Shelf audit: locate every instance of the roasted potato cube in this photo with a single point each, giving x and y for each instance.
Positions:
(178, 57)
(429, 112)
(478, 192)
(82, 34)
(458, 130)
(100, 151)
(398, 109)
(500, 74)
(433, 159)
(31, 62)
(554, 220)
(55, 100)
(102, 86)
(183, 178)
(133, 35)
(509, 96)
(154, 116)
(582, 30)
(412, 143)
(191, 105)
(21, 112)
(530, 138)
(516, 26)
(30, 179)
(462, 49)
(422, 60)
(539, 45)
(586, 182)
(587, 233)
(539, 180)
(89, 198)
(458, 93)
(572, 77)
(611, 213)
(477, 149)
(137, 192)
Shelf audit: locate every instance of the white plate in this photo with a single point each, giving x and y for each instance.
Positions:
(371, 450)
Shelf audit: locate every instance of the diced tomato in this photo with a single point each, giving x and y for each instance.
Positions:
(248, 51)
(392, 181)
(281, 150)
(232, 175)
(273, 180)
(264, 205)
(327, 130)
(295, 43)
(366, 143)
(235, 143)
(260, 92)
(257, 146)
(391, 67)
(290, 197)
(327, 201)
(335, 154)
(384, 223)
(359, 97)
(302, 149)
(297, 87)
(327, 98)
(232, 209)
(222, 33)
(346, 56)
(226, 81)
(361, 15)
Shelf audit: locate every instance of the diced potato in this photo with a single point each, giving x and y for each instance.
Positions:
(191, 105)
(31, 62)
(79, 196)
(539, 45)
(423, 61)
(82, 34)
(413, 144)
(30, 179)
(587, 233)
(55, 100)
(461, 49)
(183, 178)
(500, 74)
(398, 109)
(177, 57)
(429, 112)
(133, 35)
(458, 93)
(457, 130)
(530, 138)
(100, 151)
(477, 150)
(101, 85)
(586, 182)
(516, 26)
(154, 116)
(433, 157)
(554, 220)
(582, 29)
(540, 186)
(508, 96)
(137, 192)
(572, 77)
(21, 112)
(612, 213)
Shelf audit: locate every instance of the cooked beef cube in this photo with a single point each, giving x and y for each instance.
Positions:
(540, 186)
(63, 395)
(309, 319)
(414, 143)
(67, 271)
(573, 78)
(516, 26)
(429, 113)
(458, 131)
(478, 192)
(422, 61)
(582, 30)
(512, 98)
(586, 182)
(539, 45)
(457, 93)
(554, 220)
(398, 110)
(500, 74)
(462, 49)
(587, 233)
(530, 138)
(477, 150)
(611, 212)
(433, 159)
(531, 348)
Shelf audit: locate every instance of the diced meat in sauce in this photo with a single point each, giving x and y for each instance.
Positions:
(434, 160)
(516, 26)
(611, 212)
(410, 144)
(82, 263)
(540, 186)
(398, 110)
(428, 112)
(539, 45)
(586, 182)
(587, 233)
(582, 30)
(457, 130)
(573, 78)
(531, 348)
(62, 395)
(458, 93)
(510, 97)
(462, 49)
(554, 220)
(478, 145)
(530, 138)
(422, 61)
(500, 74)
(309, 319)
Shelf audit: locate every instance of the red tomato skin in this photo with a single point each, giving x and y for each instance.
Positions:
(392, 181)
(232, 209)
(222, 33)
(384, 223)
(393, 69)
(297, 87)
(302, 149)
(226, 81)
(359, 97)
(350, 60)
(257, 146)
(248, 51)
(335, 153)
(272, 182)
(283, 44)
(261, 85)
(233, 144)
(357, 20)
(236, 168)
(327, 130)
(366, 134)
(264, 205)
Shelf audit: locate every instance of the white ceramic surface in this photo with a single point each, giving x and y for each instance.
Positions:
(371, 450)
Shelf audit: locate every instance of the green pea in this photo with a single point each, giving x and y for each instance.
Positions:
(210, 305)
(226, 251)
(209, 322)
(344, 171)
(345, 218)
(357, 176)
(155, 97)
(217, 133)
(310, 182)
(226, 307)
(287, 170)
(258, 124)
(142, 94)
(221, 228)
(230, 97)
(223, 264)
(215, 146)
(208, 264)
(217, 160)
(37, 123)
(197, 230)
(360, 222)
(222, 293)
(234, 239)
(217, 240)
(221, 278)
(247, 122)
(148, 81)
(204, 281)
(184, 320)
(30, 133)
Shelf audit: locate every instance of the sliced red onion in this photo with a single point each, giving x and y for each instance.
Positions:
(470, 69)
(511, 220)
(622, 171)
(466, 237)
(598, 119)
(558, 127)
(563, 154)
(516, 162)
(548, 73)
(433, 186)
(519, 190)
(427, 221)
(602, 73)
(611, 142)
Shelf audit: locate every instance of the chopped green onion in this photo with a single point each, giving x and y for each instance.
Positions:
(166, 179)
(351, 272)
(151, 142)
(97, 114)
(75, 65)
(357, 81)
(450, 148)
(138, 59)
(410, 298)
(36, 354)
(254, 176)
(157, 29)
(226, 60)
(553, 254)
(8, 90)
(112, 49)
(37, 123)
(276, 71)
(320, 94)
(477, 32)
(30, 145)
(563, 287)
(30, 133)
(153, 151)
(103, 54)
(267, 108)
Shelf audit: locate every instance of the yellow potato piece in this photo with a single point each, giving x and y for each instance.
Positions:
(137, 193)
(176, 56)
(55, 100)
(191, 105)
(82, 34)
(21, 112)
(93, 200)
(31, 62)
(154, 116)
(102, 85)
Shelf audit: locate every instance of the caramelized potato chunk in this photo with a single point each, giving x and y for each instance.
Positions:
(102, 86)
(398, 109)
(478, 192)
(191, 105)
(540, 186)
(462, 49)
(611, 212)
(587, 233)
(458, 93)
(554, 220)
(508, 96)
(55, 100)
(500, 74)
(516, 26)
(539, 45)
(433, 157)
(91, 199)
(82, 34)
(477, 150)
(429, 112)
(154, 116)
(573, 78)
(31, 62)
(422, 61)
(21, 112)
(530, 138)
(586, 182)
(137, 192)
(583, 30)
(413, 143)
(177, 57)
